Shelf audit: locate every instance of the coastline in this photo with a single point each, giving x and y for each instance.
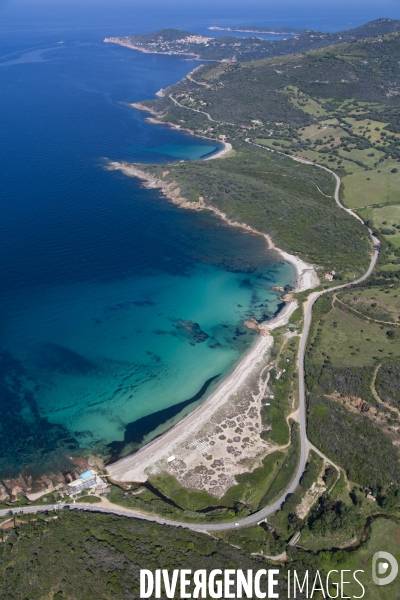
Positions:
(227, 147)
(153, 456)
(126, 44)
(233, 30)
(133, 467)
(306, 274)
(223, 152)
(157, 120)
(136, 466)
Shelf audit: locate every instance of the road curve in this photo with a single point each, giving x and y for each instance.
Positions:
(305, 445)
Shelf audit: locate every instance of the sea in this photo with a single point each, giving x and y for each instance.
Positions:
(119, 312)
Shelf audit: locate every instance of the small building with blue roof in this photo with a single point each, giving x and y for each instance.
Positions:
(87, 475)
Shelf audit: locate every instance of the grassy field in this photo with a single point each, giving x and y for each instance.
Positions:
(376, 303)
(328, 160)
(385, 217)
(385, 535)
(304, 102)
(370, 129)
(332, 162)
(273, 143)
(187, 499)
(327, 127)
(368, 157)
(379, 186)
(347, 340)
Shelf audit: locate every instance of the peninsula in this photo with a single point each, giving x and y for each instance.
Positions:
(234, 49)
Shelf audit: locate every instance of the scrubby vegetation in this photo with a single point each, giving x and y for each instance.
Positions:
(336, 520)
(82, 556)
(355, 442)
(338, 107)
(387, 383)
(351, 82)
(344, 419)
(284, 199)
(93, 556)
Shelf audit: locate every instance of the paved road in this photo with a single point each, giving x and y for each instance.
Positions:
(305, 445)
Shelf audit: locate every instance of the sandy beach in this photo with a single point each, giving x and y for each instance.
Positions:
(133, 468)
(178, 441)
(137, 466)
(227, 147)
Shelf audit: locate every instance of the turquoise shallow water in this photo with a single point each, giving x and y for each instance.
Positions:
(119, 311)
(107, 354)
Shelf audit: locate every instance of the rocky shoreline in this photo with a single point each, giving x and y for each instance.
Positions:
(306, 273)
(34, 487)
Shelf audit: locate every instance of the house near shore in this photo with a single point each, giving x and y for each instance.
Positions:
(89, 480)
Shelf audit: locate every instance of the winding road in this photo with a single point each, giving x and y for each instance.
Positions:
(305, 445)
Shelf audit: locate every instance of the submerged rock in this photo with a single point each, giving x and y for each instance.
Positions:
(252, 323)
(191, 331)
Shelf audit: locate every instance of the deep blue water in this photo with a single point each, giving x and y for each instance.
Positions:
(119, 312)
(115, 305)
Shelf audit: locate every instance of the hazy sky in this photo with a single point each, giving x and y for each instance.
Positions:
(390, 7)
